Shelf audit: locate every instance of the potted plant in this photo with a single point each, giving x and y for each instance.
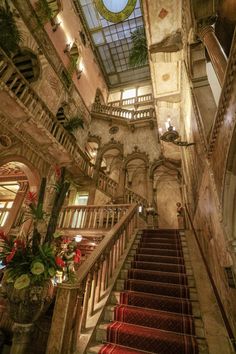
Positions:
(139, 52)
(73, 124)
(31, 262)
(9, 34)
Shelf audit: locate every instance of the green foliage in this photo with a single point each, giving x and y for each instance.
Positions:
(43, 11)
(9, 34)
(74, 123)
(139, 52)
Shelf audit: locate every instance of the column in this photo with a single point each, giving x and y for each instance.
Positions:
(216, 53)
(121, 187)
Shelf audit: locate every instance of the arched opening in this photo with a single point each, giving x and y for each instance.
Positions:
(28, 64)
(61, 116)
(136, 176)
(16, 179)
(99, 99)
(112, 159)
(166, 194)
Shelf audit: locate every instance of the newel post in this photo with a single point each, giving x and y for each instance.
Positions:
(66, 305)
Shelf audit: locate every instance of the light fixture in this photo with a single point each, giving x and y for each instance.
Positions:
(172, 136)
(55, 26)
(78, 238)
(67, 48)
(79, 73)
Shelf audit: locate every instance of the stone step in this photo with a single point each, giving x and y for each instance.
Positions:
(188, 269)
(191, 282)
(193, 293)
(101, 336)
(109, 317)
(115, 300)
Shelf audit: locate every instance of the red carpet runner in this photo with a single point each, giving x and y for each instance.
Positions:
(154, 314)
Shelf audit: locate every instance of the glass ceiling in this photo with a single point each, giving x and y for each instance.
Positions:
(112, 41)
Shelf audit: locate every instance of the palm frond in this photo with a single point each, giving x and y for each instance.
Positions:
(74, 123)
(139, 53)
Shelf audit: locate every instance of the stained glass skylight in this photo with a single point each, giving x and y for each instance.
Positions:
(112, 41)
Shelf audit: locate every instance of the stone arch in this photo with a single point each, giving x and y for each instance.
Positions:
(135, 156)
(166, 176)
(28, 64)
(27, 167)
(169, 163)
(112, 145)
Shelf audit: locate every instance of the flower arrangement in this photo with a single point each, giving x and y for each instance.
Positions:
(36, 258)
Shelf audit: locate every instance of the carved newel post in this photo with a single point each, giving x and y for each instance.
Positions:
(216, 53)
(21, 338)
(180, 216)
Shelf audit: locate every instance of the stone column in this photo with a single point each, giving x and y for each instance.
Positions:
(93, 187)
(121, 187)
(21, 338)
(216, 53)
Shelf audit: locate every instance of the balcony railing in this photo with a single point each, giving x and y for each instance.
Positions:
(123, 113)
(107, 185)
(12, 80)
(148, 98)
(91, 216)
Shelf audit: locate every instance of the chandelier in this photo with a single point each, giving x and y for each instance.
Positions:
(172, 136)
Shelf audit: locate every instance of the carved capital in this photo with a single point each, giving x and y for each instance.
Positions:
(204, 26)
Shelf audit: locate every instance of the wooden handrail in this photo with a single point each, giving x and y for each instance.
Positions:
(77, 303)
(217, 295)
(91, 216)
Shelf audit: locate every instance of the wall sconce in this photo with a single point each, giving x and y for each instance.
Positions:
(67, 48)
(172, 136)
(55, 26)
(79, 73)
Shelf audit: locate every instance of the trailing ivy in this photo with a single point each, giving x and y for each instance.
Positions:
(43, 11)
(9, 33)
(73, 124)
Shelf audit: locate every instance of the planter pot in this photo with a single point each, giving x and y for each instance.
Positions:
(27, 305)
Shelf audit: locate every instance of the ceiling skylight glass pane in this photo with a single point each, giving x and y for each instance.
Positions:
(113, 40)
(98, 38)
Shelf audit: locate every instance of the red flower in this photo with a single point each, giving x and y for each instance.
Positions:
(77, 256)
(3, 236)
(57, 171)
(59, 261)
(11, 255)
(19, 244)
(31, 198)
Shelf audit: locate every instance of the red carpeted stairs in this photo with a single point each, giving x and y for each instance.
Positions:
(155, 313)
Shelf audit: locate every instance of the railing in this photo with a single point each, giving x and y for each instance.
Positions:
(214, 287)
(131, 197)
(132, 101)
(78, 306)
(91, 216)
(13, 81)
(107, 185)
(123, 113)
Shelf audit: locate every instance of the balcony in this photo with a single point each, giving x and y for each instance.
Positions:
(27, 110)
(133, 101)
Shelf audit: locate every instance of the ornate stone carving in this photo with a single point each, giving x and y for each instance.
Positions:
(171, 43)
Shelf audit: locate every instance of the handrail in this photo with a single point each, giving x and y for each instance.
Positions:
(15, 82)
(78, 302)
(107, 184)
(123, 113)
(132, 100)
(217, 295)
(91, 216)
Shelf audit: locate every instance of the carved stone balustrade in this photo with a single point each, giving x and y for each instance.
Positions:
(139, 100)
(37, 119)
(107, 185)
(123, 115)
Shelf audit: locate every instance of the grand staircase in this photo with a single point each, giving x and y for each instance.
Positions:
(154, 307)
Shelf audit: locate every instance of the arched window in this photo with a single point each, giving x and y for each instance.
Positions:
(28, 64)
